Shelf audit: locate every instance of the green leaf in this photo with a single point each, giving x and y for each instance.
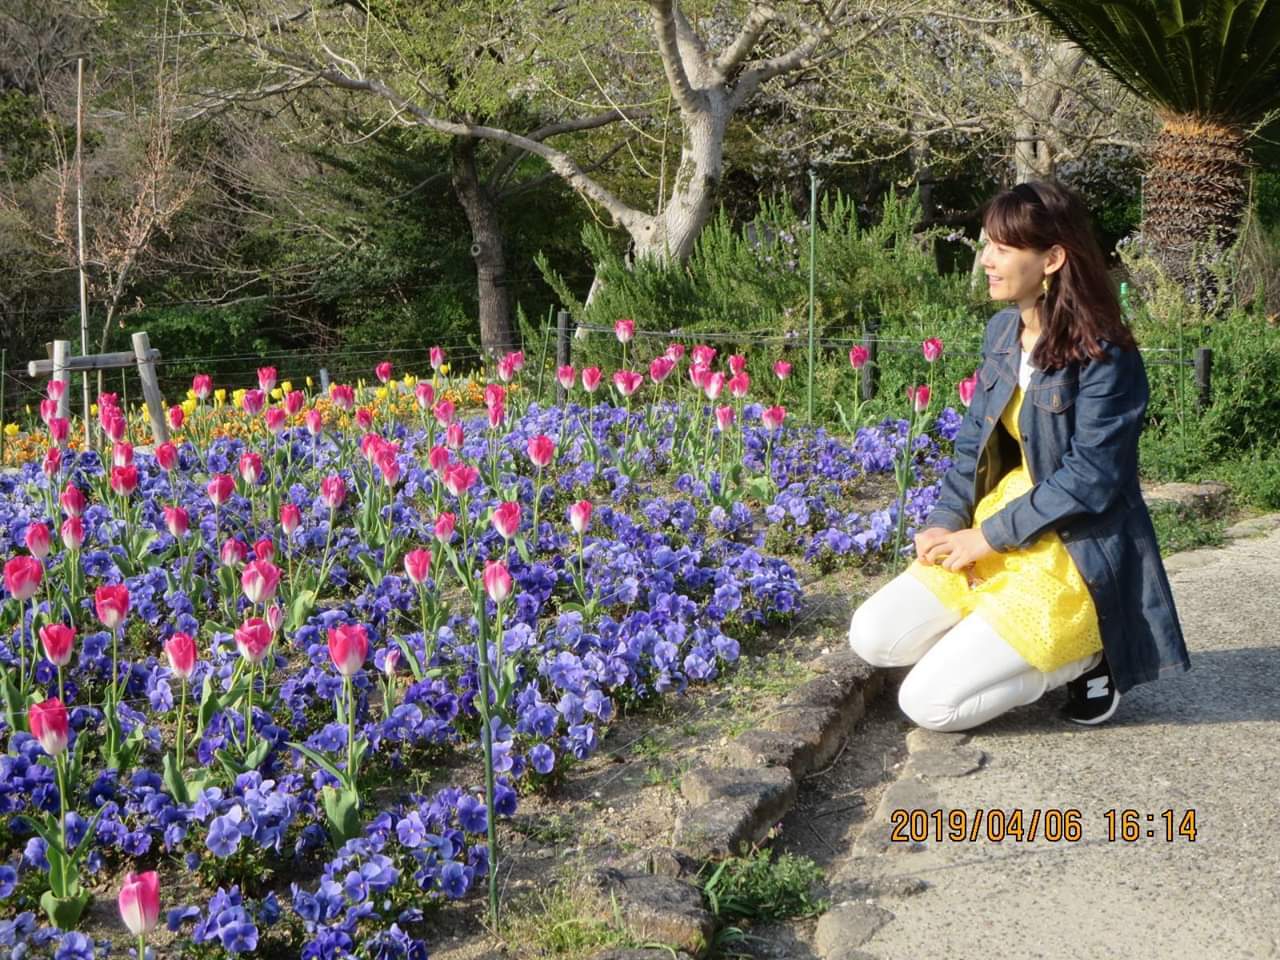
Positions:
(304, 603)
(320, 761)
(342, 807)
(174, 781)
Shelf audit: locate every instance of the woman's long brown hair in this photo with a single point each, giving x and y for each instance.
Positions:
(1081, 308)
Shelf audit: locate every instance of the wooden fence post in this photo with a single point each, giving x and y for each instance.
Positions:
(871, 370)
(1204, 378)
(61, 349)
(324, 380)
(150, 387)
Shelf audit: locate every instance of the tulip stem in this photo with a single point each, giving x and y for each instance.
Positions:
(351, 731)
(182, 717)
(142, 947)
(59, 768)
(248, 713)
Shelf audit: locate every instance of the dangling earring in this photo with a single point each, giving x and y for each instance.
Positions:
(1044, 284)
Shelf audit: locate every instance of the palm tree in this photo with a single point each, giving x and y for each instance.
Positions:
(1211, 68)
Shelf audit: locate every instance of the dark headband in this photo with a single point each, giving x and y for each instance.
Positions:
(1027, 194)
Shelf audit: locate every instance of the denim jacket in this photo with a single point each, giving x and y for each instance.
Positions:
(1080, 428)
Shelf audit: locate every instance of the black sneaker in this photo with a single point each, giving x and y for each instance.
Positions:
(1092, 697)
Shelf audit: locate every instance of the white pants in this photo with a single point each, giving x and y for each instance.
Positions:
(965, 673)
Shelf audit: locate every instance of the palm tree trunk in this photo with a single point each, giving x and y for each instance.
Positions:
(1197, 192)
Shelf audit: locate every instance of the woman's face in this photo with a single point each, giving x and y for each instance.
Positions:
(1015, 273)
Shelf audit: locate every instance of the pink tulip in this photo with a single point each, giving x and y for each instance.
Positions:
(781, 369)
(342, 396)
(72, 500)
(919, 397)
(438, 458)
(58, 640)
(113, 424)
(106, 400)
(52, 462)
(660, 368)
(772, 417)
(250, 467)
(59, 430)
(714, 386)
(49, 723)
(737, 364)
(724, 418)
(391, 662)
(56, 389)
(506, 370)
(967, 387)
(417, 565)
(177, 416)
(266, 379)
(443, 411)
(37, 540)
(233, 552)
(542, 450)
(72, 533)
(698, 374)
(333, 491)
(48, 410)
(219, 488)
(383, 371)
(122, 454)
(627, 381)
(459, 478)
(858, 357)
(624, 329)
(453, 436)
(364, 418)
(497, 413)
(264, 549)
(294, 401)
(139, 902)
(566, 375)
(124, 480)
(444, 527)
(253, 639)
(425, 394)
(202, 386)
(166, 456)
(517, 360)
(290, 518)
(388, 464)
(674, 352)
(260, 580)
(704, 355)
(494, 396)
(276, 420)
(591, 379)
(497, 581)
(506, 519)
(180, 650)
(348, 648)
(437, 357)
(932, 348)
(275, 618)
(739, 385)
(177, 521)
(314, 422)
(253, 401)
(22, 576)
(580, 516)
(111, 603)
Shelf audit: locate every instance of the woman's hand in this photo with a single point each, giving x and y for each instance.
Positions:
(925, 539)
(957, 550)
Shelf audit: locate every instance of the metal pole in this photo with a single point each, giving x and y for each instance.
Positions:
(562, 352)
(84, 279)
(4, 357)
(813, 266)
(546, 340)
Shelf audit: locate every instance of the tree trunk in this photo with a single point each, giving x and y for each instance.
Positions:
(673, 232)
(1195, 199)
(496, 334)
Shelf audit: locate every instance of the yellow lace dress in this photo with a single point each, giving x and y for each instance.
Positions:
(1034, 597)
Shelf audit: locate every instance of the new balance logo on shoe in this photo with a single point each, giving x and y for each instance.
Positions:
(1098, 687)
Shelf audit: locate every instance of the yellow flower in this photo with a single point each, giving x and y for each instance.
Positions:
(10, 429)
(410, 381)
(444, 368)
(381, 393)
(93, 409)
(287, 386)
(309, 384)
(191, 395)
(277, 393)
(189, 406)
(220, 396)
(237, 398)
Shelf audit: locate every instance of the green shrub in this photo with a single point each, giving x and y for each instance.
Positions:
(764, 889)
